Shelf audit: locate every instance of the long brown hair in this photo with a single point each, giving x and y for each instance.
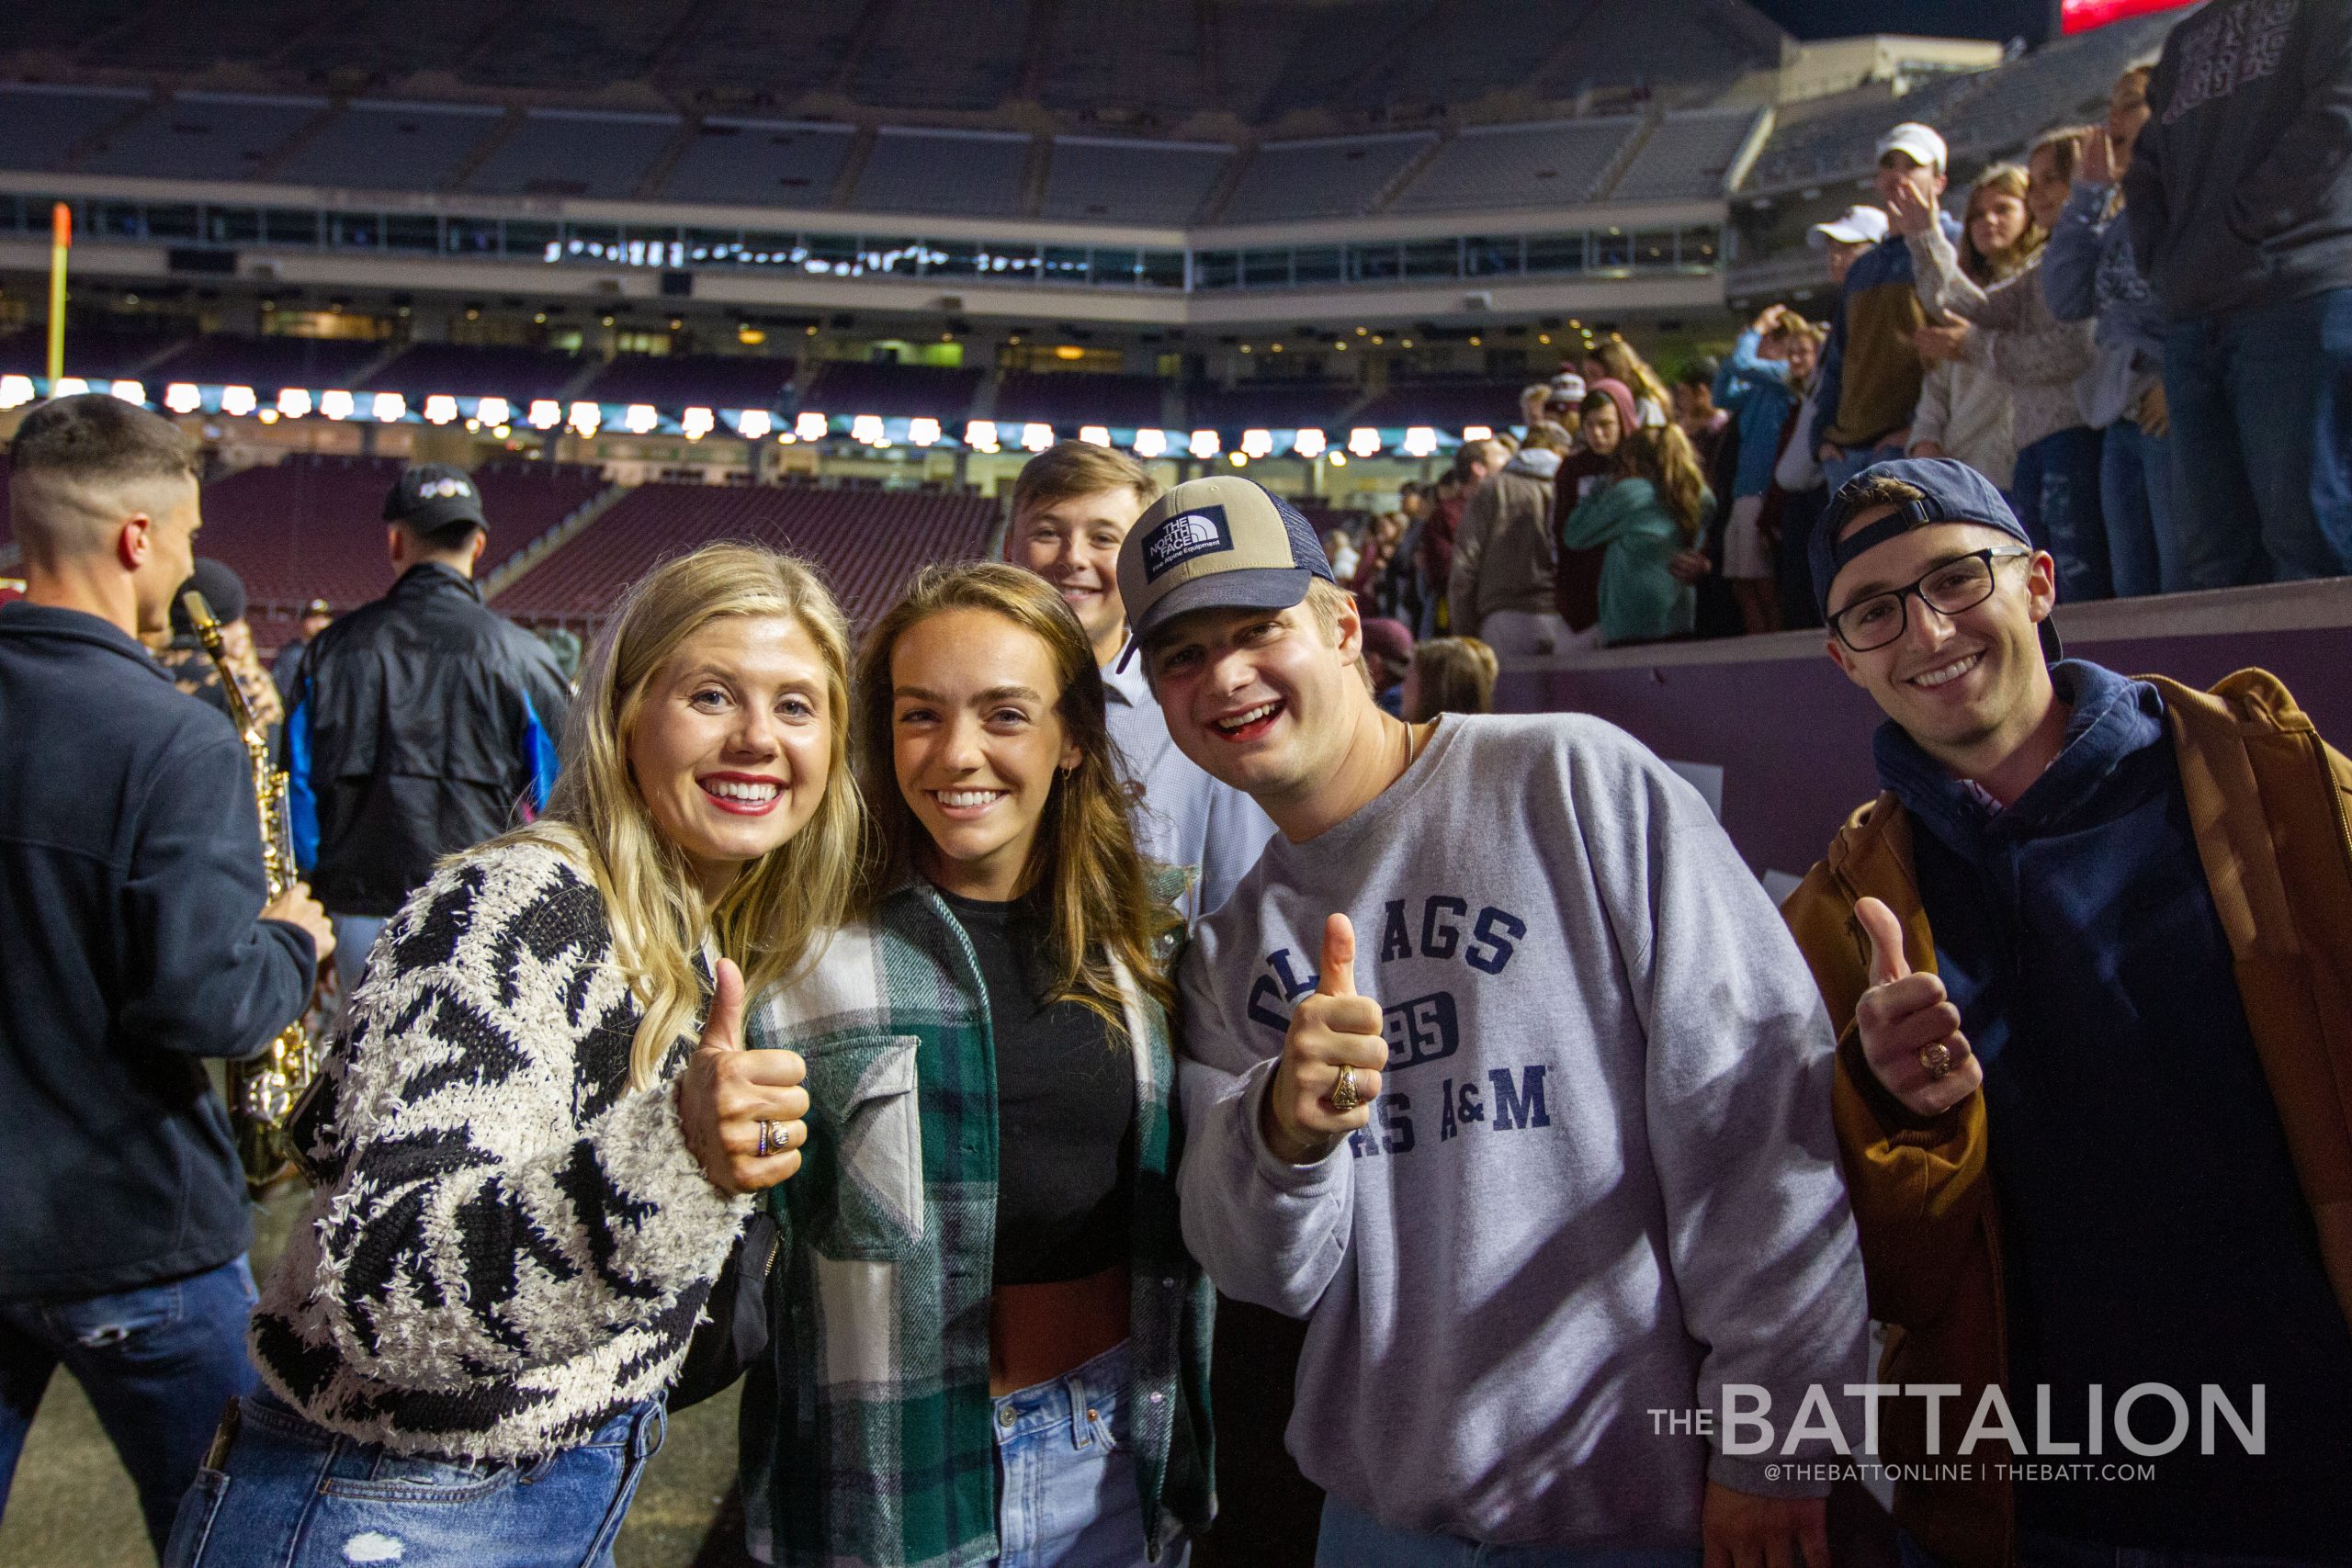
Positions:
(775, 915)
(1084, 875)
(2001, 179)
(1453, 675)
(1627, 365)
(1663, 455)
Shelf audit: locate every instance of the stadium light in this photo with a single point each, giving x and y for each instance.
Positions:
(1094, 435)
(753, 424)
(129, 393)
(492, 411)
(15, 391)
(235, 401)
(1477, 432)
(1238, 459)
(270, 416)
(586, 417)
(1205, 445)
(1258, 442)
(1364, 441)
(181, 397)
(809, 426)
(1339, 459)
(639, 419)
(696, 424)
(69, 386)
(1036, 437)
(1150, 443)
(440, 409)
(923, 432)
(292, 401)
(390, 408)
(546, 413)
(980, 434)
(867, 428)
(1420, 440)
(336, 404)
(1308, 443)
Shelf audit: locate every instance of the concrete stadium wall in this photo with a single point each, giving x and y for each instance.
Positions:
(1793, 734)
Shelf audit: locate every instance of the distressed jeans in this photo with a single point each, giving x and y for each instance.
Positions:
(292, 1495)
(2057, 494)
(158, 1363)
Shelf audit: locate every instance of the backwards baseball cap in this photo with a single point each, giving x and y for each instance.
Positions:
(1567, 389)
(1855, 226)
(224, 591)
(1915, 141)
(1950, 491)
(435, 497)
(1222, 543)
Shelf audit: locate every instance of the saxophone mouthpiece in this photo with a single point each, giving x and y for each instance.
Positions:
(200, 614)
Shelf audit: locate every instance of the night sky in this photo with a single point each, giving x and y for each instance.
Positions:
(1998, 19)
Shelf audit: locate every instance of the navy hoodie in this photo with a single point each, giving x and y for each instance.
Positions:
(130, 887)
(2152, 1227)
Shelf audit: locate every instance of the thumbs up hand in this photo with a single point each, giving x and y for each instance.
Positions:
(1308, 1109)
(727, 1094)
(1910, 1033)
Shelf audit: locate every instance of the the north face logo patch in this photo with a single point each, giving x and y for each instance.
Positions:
(1182, 538)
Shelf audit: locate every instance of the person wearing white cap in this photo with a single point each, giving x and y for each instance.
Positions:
(1870, 372)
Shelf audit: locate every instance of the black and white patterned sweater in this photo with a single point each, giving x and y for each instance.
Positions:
(507, 1246)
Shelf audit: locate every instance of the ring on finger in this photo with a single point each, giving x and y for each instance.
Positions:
(775, 1137)
(1344, 1097)
(1935, 1059)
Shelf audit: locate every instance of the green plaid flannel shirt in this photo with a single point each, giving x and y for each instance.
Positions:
(885, 1447)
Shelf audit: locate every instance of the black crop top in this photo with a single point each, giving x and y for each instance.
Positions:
(1065, 1110)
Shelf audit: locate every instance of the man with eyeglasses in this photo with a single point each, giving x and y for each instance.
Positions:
(2110, 918)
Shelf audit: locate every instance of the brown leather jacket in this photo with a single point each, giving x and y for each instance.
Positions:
(2272, 807)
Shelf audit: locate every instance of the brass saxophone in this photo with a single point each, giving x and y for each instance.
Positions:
(261, 1089)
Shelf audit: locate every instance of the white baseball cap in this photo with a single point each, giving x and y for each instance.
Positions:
(1855, 226)
(1915, 141)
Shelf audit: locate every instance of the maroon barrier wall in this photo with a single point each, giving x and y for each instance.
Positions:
(1793, 734)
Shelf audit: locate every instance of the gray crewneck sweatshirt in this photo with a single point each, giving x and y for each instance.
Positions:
(1600, 1180)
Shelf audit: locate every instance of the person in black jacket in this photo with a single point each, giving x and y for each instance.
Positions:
(421, 722)
(137, 938)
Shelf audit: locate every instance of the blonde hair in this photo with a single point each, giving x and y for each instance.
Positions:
(1456, 675)
(1624, 364)
(778, 912)
(1664, 455)
(1084, 875)
(2000, 179)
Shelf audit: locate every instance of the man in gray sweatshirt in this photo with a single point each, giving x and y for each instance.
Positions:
(1499, 1068)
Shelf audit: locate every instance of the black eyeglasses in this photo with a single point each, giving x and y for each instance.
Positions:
(1959, 585)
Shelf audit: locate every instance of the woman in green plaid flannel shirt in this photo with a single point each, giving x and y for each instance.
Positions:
(990, 1346)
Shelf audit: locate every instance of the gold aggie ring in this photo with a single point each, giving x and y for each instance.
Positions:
(1936, 1059)
(772, 1142)
(1344, 1097)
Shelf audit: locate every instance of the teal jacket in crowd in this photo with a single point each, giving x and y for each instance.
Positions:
(1641, 600)
(884, 1452)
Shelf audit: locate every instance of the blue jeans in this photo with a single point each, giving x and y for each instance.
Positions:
(1353, 1539)
(2261, 407)
(158, 1363)
(2135, 493)
(292, 1495)
(1067, 1496)
(2037, 1549)
(354, 935)
(2056, 490)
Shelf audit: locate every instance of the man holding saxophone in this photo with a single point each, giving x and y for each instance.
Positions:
(136, 938)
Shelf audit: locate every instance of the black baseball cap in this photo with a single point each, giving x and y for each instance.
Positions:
(224, 591)
(1222, 543)
(1950, 491)
(435, 497)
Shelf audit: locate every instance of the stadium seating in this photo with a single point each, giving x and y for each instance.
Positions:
(1067, 399)
(1131, 182)
(1134, 60)
(390, 146)
(687, 380)
(1272, 404)
(1558, 164)
(575, 152)
(313, 526)
(202, 136)
(468, 371)
(39, 126)
(908, 65)
(1448, 405)
(378, 41)
(865, 542)
(98, 354)
(894, 391)
(745, 163)
(1692, 47)
(757, 51)
(1325, 178)
(1483, 46)
(1687, 157)
(1311, 52)
(579, 47)
(268, 364)
(972, 172)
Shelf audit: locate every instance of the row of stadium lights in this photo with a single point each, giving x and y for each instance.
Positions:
(752, 424)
